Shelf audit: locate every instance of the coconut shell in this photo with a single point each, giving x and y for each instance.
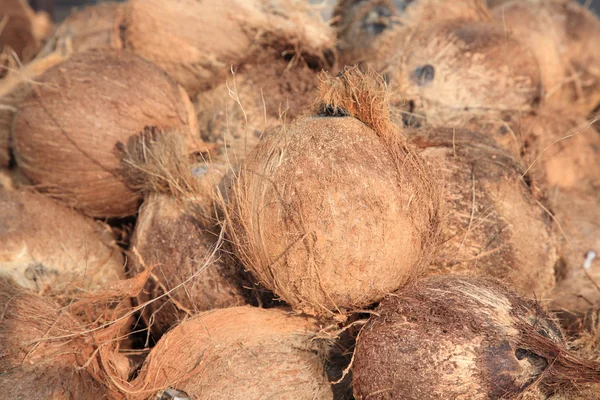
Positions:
(463, 338)
(197, 42)
(463, 75)
(565, 37)
(48, 247)
(493, 225)
(65, 131)
(237, 353)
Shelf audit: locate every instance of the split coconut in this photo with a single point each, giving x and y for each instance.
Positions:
(66, 129)
(335, 210)
(493, 225)
(565, 37)
(178, 233)
(197, 42)
(237, 353)
(468, 338)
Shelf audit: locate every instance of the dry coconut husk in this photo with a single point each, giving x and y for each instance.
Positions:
(237, 353)
(463, 75)
(22, 30)
(65, 130)
(565, 37)
(48, 247)
(335, 210)
(367, 30)
(470, 338)
(197, 42)
(92, 27)
(493, 225)
(177, 232)
(46, 353)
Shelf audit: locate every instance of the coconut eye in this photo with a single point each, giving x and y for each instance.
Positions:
(423, 74)
(377, 20)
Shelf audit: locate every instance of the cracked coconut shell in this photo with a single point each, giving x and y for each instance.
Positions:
(66, 129)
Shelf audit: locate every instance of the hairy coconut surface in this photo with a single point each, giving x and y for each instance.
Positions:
(463, 74)
(493, 225)
(326, 207)
(237, 353)
(48, 247)
(197, 42)
(453, 337)
(565, 37)
(66, 129)
(368, 29)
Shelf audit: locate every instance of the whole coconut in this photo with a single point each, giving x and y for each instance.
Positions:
(463, 75)
(327, 207)
(66, 129)
(565, 38)
(493, 225)
(197, 42)
(463, 338)
(237, 353)
(366, 30)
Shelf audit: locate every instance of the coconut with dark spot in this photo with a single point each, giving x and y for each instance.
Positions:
(237, 353)
(565, 37)
(335, 210)
(65, 131)
(454, 337)
(493, 225)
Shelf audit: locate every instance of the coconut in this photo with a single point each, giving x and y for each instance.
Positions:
(471, 338)
(177, 233)
(197, 42)
(236, 353)
(325, 208)
(464, 75)
(365, 29)
(493, 225)
(65, 131)
(565, 38)
(48, 247)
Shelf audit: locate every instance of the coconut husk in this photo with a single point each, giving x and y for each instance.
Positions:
(565, 37)
(493, 225)
(457, 337)
(463, 75)
(197, 42)
(65, 130)
(236, 353)
(94, 27)
(294, 210)
(22, 31)
(368, 30)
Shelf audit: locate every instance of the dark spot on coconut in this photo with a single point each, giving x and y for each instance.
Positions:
(423, 75)
(560, 270)
(332, 111)
(39, 274)
(402, 4)
(387, 78)
(377, 20)
(502, 131)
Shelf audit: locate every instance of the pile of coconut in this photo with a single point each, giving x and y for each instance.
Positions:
(264, 199)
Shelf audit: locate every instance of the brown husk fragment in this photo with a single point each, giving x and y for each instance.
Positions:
(197, 42)
(237, 353)
(565, 37)
(66, 129)
(472, 338)
(327, 207)
(47, 247)
(493, 225)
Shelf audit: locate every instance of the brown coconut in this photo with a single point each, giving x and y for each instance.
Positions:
(565, 37)
(66, 129)
(48, 247)
(463, 338)
(493, 225)
(327, 207)
(178, 233)
(463, 75)
(237, 353)
(197, 42)
(366, 30)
